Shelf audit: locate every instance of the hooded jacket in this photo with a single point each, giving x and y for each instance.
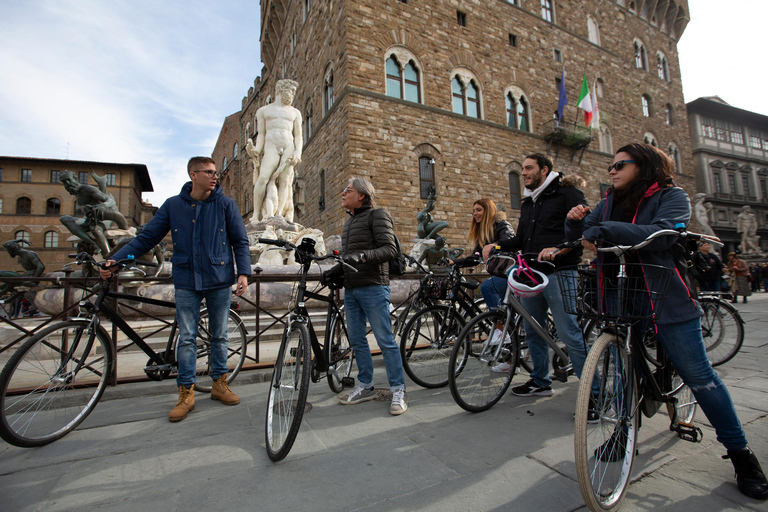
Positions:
(378, 247)
(542, 221)
(205, 234)
(659, 208)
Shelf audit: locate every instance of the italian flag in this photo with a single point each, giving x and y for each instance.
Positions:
(585, 101)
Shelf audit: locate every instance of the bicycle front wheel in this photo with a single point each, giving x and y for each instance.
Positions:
(605, 449)
(481, 367)
(47, 388)
(427, 342)
(340, 354)
(236, 349)
(288, 391)
(722, 330)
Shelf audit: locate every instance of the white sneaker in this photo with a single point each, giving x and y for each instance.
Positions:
(501, 368)
(399, 403)
(497, 336)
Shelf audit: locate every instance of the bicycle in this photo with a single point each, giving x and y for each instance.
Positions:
(721, 325)
(474, 375)
(428, 337)
(633, 373)
(55, 379)
(302, 357)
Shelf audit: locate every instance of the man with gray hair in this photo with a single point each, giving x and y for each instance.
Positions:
(277, 151)
(368, 244)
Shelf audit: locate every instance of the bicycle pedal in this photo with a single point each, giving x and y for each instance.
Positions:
(158, 368)
(347, 382)
(688, 432)
(561, 375)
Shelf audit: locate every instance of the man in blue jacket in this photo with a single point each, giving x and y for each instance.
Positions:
(207, 228)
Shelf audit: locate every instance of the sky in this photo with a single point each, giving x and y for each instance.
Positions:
(151, 81)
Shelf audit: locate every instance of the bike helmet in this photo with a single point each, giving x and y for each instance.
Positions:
(525, 281)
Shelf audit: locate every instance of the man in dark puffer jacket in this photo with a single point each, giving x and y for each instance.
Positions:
(366, 294)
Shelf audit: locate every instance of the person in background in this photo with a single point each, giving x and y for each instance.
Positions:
(712, 268)
(740, 281)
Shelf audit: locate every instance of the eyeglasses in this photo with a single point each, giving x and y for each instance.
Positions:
(213, 174)
(619, 165)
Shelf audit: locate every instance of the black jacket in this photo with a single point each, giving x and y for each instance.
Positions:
(377, 246)
(502, 230)
(542, 223)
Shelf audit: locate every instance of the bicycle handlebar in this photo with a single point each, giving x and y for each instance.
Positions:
(285, 244)
(82, 257)
(618, 249)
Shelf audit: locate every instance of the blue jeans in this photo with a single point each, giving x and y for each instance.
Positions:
(372, 303)
(493, 290)
(685, 347)
(567, 330)
(187, 316)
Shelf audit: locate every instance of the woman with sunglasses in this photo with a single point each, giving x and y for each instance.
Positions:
(641, 201)
(488, 226)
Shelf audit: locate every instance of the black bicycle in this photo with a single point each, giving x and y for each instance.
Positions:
(302, 357)
(633, 373)
(55, 379)
(428, 338)
(721, 325)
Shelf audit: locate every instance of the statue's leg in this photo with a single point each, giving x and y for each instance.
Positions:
(436, 227)
(116, 217)
(270, 200)
(285, 193)
(76, 229)
(268, 165)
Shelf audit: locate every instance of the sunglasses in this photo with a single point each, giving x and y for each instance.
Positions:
(619, 165)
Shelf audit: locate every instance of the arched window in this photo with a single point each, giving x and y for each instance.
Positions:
(23, 206)
(403, 82)
(321, 199)
(668, 115)
(234, 152)
(515, 191)
(307, 6)
(547, 11)
(593, 31)
(645, 100)
(599, 85)
(328, 91)
(308, 128)
(641, 60)
(522, 114)
(53, 206)
(426, 175)
(21, 235)
(662, 67)
(511, 110)
(247, 131)
(51, 239)
(674, 154)
(466, 94)
(605, 140)
(224, 165)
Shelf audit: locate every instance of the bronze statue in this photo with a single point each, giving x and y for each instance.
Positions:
(435, 254)
(98, 206)
(428, 227)
(156, 254)
(29, 260)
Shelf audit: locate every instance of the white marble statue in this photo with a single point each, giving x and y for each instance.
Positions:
(746, 226)
(701, 213)
(276, 152)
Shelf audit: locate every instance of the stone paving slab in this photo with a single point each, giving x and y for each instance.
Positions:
(436, 457)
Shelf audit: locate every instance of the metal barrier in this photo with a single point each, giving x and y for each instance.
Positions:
(258, 328)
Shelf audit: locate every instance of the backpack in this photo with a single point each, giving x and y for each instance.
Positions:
(398, 265)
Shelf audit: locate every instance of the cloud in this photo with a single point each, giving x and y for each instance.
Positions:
(124, 81)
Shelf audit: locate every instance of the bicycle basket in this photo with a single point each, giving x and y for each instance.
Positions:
(436, 287)
(593, 291)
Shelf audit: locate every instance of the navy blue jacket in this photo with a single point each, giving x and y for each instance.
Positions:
(205, 233)
(658, 209)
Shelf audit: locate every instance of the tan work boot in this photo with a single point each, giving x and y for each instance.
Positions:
(220, 391)
(186, 404)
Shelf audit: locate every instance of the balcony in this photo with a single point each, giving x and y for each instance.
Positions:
(570, 135)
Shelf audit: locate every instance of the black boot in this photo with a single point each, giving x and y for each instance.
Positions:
(749, 475)
(745, 300)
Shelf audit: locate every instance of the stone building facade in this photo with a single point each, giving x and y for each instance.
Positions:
(730, 157)
(456, 93)
(32, 199)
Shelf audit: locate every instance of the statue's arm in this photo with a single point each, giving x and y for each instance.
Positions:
(101, 181)
(261, 130)
(298, 137)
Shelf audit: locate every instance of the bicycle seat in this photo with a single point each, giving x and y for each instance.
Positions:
(472, 285)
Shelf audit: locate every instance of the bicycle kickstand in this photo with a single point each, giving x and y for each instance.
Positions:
(687, 432)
